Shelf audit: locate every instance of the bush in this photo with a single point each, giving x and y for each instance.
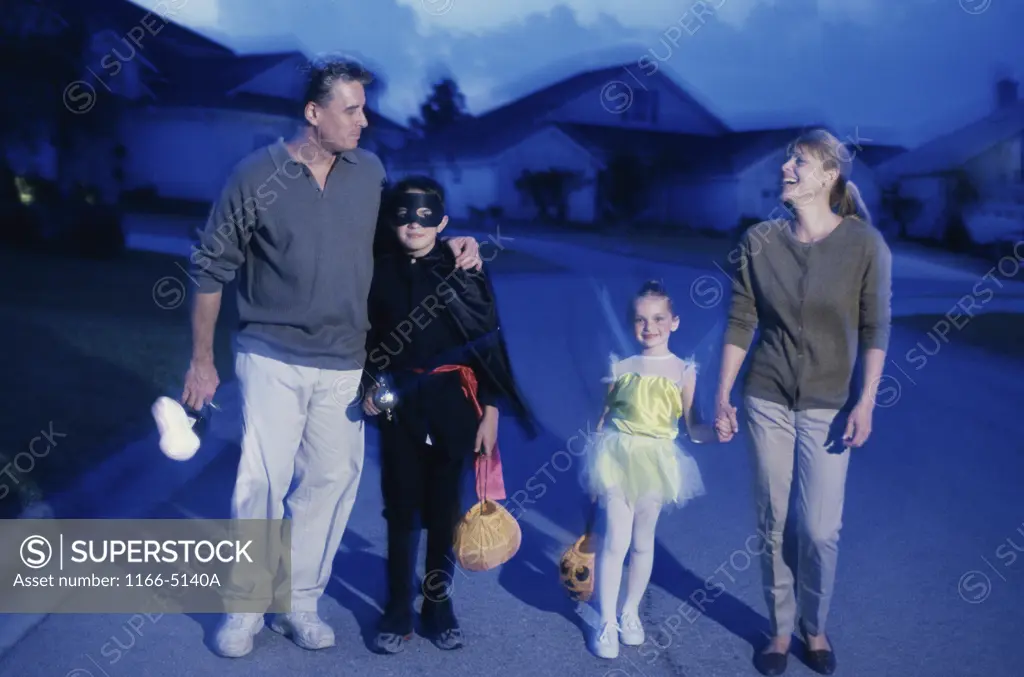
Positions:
(957, 237)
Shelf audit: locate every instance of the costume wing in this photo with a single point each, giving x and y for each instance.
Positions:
(613, 359)
(707, 352)
(604, 298)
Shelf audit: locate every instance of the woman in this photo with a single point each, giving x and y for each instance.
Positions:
(819, 288)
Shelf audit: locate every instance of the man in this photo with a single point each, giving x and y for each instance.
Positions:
(297, 219)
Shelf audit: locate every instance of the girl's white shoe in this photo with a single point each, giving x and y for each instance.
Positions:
(631, 630)
(177, 439)
(605, 643)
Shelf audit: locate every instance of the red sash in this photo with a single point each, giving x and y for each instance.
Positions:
(490, 481)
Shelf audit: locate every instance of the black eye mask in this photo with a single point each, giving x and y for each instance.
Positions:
(405, 209)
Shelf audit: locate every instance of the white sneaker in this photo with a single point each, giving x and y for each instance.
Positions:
(177, 439)
(235, 635)
(631, 630)
(605, 643)
(305, 629)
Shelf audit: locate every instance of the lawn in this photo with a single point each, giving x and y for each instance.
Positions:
(89, 349)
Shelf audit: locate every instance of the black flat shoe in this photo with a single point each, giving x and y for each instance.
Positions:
(822, 661)
(770, 663)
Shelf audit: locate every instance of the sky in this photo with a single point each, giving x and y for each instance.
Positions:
(896, 71)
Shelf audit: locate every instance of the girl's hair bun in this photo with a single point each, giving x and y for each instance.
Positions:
(652, 287)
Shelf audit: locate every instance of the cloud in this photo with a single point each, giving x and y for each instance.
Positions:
(866, 63)
(481, 16)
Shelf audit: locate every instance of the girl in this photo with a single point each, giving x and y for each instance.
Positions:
(635, 466)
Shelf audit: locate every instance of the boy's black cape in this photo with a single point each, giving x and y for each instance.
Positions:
(474, 314)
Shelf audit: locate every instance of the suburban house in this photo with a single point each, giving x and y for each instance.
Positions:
(975, 173)
(686, 165)
(186, 140)
(740, 180)
(178, 110)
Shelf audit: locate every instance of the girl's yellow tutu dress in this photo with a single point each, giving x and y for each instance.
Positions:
(637, 454)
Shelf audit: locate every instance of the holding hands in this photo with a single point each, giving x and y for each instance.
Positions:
(726, 424)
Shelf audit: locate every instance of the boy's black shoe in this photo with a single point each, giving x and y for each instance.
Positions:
(393, 631)
(449, 640)
(390, 642)
(441, 627)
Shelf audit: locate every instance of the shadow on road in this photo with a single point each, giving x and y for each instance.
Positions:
(531, 577)
(708, 597)
(358, 574)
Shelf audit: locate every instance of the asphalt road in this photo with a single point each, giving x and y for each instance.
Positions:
(931, 582)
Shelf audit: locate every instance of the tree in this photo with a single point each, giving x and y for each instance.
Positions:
(962, 195)
(624, 187)
(903, 210)
(37, 106)
(52, 51)
(444, 107)
(549, 191)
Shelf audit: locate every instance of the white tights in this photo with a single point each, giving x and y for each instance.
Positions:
(626, 524)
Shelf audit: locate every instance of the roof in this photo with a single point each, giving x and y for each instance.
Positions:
(492, 132)
(121, 16)
(726, 153)
(953, 150)
(748, 147)
(875, 154)
(176, 58)
(671, 151)
(206, 81)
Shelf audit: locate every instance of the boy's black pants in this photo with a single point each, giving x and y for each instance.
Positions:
(420, 480)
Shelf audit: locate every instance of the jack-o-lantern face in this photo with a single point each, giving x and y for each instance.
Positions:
(576, 571)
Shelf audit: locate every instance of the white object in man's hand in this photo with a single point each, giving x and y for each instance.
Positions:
(177, 439)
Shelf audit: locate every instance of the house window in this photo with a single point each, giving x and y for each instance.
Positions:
(644, 107)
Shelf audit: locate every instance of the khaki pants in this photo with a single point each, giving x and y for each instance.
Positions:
(302, 458)
(808, 445)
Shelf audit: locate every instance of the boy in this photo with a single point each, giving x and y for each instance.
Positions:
(435, 332)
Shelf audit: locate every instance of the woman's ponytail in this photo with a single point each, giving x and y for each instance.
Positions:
(849, 202)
